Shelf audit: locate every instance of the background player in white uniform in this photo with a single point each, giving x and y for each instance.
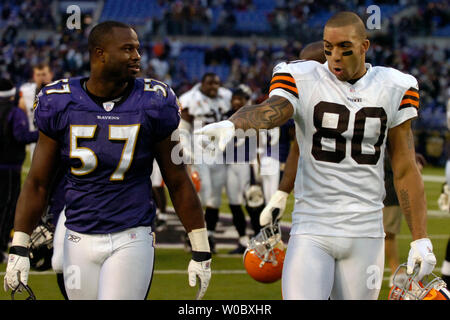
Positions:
(205, 103)
(275, 145)
(238, 174)
(344, 110)
(42, 75)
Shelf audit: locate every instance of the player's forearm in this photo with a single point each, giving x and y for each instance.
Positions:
(411, 196)
(30, 206)
(187, 204)
(269, 114)
(290, 170)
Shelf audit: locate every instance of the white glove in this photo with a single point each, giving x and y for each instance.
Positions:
(222, 131)
(421, 252)
(18, 267)
(443, 200)
(274, 209)
(202, 270)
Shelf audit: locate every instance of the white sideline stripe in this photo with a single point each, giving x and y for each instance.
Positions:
(177, 271)
(433, 178)
(438, 213)
(432, 236)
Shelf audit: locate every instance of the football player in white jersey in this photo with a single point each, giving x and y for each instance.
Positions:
(42, 75)
(344, 111)
(205, 103)
(238, 173)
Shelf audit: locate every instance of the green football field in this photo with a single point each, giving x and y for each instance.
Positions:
(230, 281)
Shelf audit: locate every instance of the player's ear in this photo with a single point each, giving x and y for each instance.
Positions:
(100, 54)
(366, 45)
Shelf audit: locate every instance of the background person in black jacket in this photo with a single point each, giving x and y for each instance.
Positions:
(14, 135)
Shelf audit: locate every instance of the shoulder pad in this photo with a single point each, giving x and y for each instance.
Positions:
(395, 78)
(57, 94)
(225, 92)
(155, 87)
(297, 67)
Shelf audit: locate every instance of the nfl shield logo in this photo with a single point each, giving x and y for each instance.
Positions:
(108, 106)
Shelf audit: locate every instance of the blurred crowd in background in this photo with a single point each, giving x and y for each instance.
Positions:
(167, 55)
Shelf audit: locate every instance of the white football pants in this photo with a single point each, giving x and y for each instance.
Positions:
(270, 176)
(213, 179)
(115, 266)
(319, 267)
(58, 243)
(447, 173)
(238, 178)
(156, 176)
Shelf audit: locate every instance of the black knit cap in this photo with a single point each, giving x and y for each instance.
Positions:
(6, 88)
(5, 84)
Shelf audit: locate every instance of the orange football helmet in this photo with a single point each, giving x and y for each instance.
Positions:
(264, 257)
(431, 287)
(196, 180)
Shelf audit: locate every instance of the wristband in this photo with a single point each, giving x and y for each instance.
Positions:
(199, 240)
(200, 256)
(20, 239)
(19, 250)
(280, 195)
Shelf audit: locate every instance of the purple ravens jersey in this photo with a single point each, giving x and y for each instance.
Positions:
(285, 139)
(56, 201)
(108, 150)
(277, 141)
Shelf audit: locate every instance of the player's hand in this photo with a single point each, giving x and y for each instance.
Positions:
(222, 132)
(17, 269)
(202, 271)
(421, 253)
(274, 209)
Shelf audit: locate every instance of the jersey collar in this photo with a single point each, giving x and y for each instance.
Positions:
(358, 84)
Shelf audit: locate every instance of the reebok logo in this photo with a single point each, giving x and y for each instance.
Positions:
(73, 238)
(354, 99)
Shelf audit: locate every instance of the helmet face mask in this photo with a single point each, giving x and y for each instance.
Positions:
(430, 287)
(265, 254)
(41, 246)
(254, 196)
(23, 288)
(264, 243)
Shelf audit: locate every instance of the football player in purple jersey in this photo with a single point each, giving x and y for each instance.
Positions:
(107, 129)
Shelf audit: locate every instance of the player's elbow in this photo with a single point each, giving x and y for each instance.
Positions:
(406, 171)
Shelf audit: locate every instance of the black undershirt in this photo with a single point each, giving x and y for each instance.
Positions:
(100, 100)
(353, 81)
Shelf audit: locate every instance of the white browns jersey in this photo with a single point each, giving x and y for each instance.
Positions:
(204, 108)
(341, 130)
(28, 92)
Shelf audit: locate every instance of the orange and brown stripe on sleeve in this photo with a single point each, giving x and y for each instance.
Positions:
(284, 81)
(410, 99)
